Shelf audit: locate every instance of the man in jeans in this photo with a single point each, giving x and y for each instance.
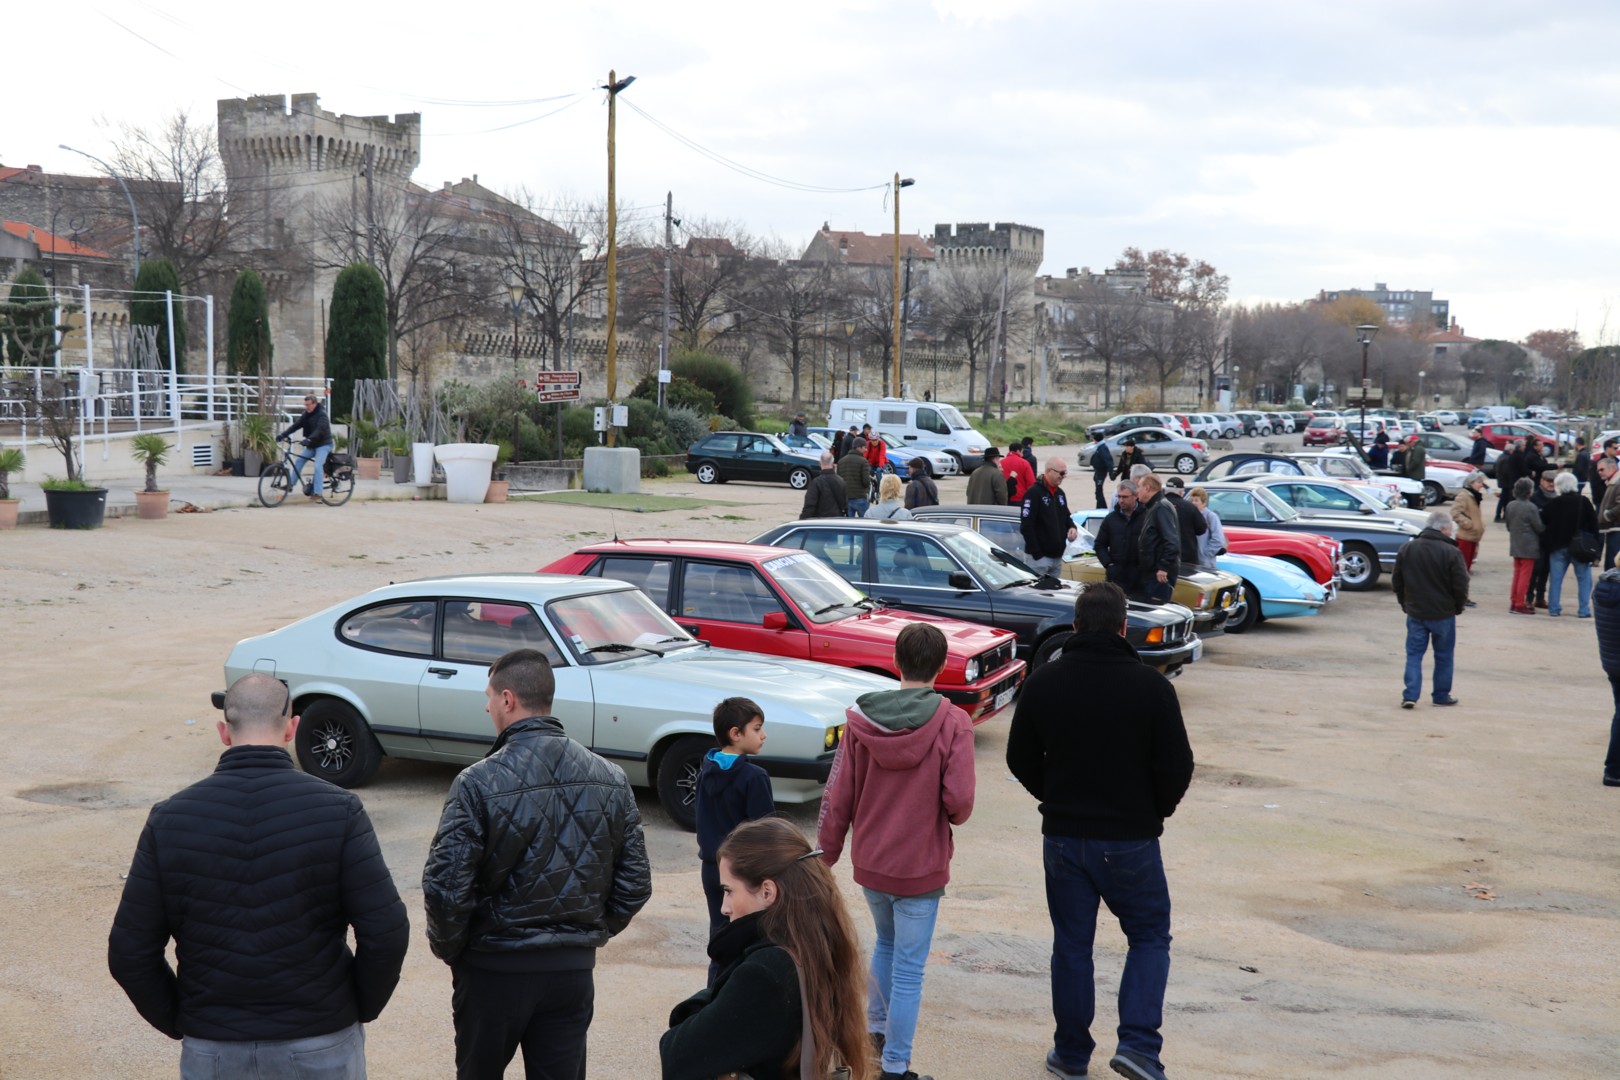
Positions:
(1431, 585)
(902, 777)
(1098, 739)
(857, 476)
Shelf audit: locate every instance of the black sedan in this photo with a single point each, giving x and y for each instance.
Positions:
(748, 455)
(952, 571)
(1369, 543)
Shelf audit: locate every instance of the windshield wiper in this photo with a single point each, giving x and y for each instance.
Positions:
(829, 607)
(868, 601)
(619, 646)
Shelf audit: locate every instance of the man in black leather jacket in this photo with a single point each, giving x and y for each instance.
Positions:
(317, 429)
(1117, 538)
(538, 860)
(1159, 547)
(257, 872)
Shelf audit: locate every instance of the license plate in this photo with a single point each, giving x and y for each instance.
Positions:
(1198, 650)
(1002, 699)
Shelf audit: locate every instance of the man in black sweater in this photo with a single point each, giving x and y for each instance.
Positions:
(1431, 585)
(826, 495)
(1098, 739)
(1117, 537)
(257, 872)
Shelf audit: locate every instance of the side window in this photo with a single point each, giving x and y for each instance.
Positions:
(893, 418)
(726, 593)
(1285, 468)
(651, 576)
(403, 628)
(1231, 505)
(479, 631)
(929, 420)
(1006, 535)
(719, 444)
(1152, 436)
(913, 561)
(1250, 468)
(948, 519)
(840, 550)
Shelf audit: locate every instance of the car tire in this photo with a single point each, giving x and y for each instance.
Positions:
(335, 743)
(677, 778)
(708, 472)
(961, 467)
(1433, 493)
(1251, 613)
(1186, 464)
(1048, 649)
(1361, 568)
(1265, 433)
(927, 469)
(799, 479)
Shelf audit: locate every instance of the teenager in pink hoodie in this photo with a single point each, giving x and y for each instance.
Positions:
(902, 777)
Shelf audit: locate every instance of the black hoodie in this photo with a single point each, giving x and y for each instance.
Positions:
(728, 797)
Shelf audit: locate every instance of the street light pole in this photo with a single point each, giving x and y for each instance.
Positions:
(849, 353)
(1364, 334)
(135, 219)
(517, 373)
(894, 379)
(613, 87)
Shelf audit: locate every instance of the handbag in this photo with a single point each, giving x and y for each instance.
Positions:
(807, 1046)
(1585, 547)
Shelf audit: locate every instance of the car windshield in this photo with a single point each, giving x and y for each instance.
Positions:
(954, 418)
(821, 594)
(985, 560)
(890, 441)
(1279, 509)
(607, 626)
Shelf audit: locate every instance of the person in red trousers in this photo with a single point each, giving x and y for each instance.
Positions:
(1524, 544)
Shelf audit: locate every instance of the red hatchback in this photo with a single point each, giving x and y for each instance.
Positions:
(788, 603)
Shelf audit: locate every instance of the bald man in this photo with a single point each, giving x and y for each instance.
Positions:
(257, 872)
(827, 495)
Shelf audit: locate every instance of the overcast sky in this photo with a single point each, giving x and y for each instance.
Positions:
(1464, 146)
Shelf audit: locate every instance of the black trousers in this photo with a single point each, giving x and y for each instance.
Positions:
(1538, 579)
(1611, 548)
(545, 1012)
(1102, 503)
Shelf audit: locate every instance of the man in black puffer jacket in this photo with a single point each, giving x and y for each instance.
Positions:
(317, 429)
(1159, 542)
(538, 860)
(257, 872)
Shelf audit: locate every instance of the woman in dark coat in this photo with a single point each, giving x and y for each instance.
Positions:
(1565, 515)
(1525, 527)
(1378, 456)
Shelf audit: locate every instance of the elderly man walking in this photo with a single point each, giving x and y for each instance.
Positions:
(826, 495)
(258, 872)
(1431, 585)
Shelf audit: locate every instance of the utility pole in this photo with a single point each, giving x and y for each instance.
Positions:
(371, 208)
(905, 318)
(1000, 366)
(669, 241)
(614, 85)
(894, 294)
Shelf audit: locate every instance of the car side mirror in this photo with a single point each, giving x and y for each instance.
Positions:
(1367, 510)
(775, 620)
(959, 580)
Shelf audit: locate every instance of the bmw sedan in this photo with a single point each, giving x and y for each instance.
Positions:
(1369, 544)
(400, 672)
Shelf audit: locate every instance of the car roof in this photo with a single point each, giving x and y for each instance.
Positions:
(517, 585)
(981, 509)
(714, 549)
(934, 528)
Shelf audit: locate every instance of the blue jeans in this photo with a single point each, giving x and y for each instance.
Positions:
(905, 930)
(1557, 562)
(1418, 633)
(857, 507)
(319, 454)
(1128, 876)
(338, 1056)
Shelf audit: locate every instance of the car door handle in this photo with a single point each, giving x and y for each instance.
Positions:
(909, 438)
(442, 672)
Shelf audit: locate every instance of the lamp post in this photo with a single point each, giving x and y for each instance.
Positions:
(849, 353)
(135, 219)
(517, 308)
(1364, 334)
(1420, 388)
(894, 380)
(613, 86)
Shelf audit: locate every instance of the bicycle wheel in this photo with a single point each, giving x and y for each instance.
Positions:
(273, 486)
(338, 487)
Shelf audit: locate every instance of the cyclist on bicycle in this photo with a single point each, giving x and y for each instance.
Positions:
(317, 429)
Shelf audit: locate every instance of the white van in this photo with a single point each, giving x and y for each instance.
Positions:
(931, 424)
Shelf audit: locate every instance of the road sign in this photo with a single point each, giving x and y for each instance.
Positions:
(566, 393)
(557, 378)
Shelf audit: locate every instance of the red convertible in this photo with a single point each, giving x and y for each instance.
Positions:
(1317, 555)
(788, 603)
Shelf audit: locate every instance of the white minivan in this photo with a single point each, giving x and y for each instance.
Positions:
(931, 424)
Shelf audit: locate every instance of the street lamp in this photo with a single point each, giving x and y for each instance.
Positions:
(614, 86)
(849, 352)
(135, 219)
(1420, 388)
(898, 300)
(516, 292)
(1364, 334)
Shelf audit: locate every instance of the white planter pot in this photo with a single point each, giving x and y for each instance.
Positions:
(467, 469)
(422, 463)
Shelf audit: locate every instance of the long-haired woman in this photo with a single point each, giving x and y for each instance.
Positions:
(789, 929)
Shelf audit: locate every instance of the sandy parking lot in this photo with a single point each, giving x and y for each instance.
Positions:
(1359, 891)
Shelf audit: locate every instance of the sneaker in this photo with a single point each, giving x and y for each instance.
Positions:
(1541, 603)
(1584, 615)
(1447, 700)
(1060, 1070)
(1407, 703)
(1611, 781)
(1135, 1066)
(1469, 604)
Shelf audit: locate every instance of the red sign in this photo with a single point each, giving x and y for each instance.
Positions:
(566, 394)
(557, 378)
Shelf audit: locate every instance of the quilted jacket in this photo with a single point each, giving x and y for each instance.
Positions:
(539, 847)
(257, 872)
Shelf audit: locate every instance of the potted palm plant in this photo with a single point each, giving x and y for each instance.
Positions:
(366, 442)
(11, 460)
(397, 442)
(258, 444)
(151, 451)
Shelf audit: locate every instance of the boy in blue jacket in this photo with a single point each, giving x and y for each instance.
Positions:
(730, 790)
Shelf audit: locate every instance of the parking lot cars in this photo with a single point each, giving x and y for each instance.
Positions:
(1368, 544)
(951, 570)
(1117, 425)
(1315, 496)
(401, 670)
(1444, 446)
(759, 599)
(1344, 463)
(1324, 431)
(1253, 463)
(749, 455)
(1447, 417)
(1214, 598)
(899, 453)
(1161, 448)
(1442, 479)
(1498, 435)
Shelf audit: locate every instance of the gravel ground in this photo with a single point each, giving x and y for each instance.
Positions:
(1359, 891)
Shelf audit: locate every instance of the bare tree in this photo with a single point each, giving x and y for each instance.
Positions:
(964, 308)
(1105, 325)
(1282, 344)
(792, 299)
(711, 276)
(556, 256)
(1197, 291)
(1164, 343)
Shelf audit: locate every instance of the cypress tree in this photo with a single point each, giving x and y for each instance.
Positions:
(357, 335)
(148, 308)
(247, 327)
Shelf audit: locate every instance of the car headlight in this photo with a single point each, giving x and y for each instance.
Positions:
(972, 672)
(832, 737)
(1155, 636)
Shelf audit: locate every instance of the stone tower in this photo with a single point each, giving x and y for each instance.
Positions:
(284, 161)
(1020, 248)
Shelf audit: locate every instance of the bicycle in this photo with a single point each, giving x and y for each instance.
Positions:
(276, 482)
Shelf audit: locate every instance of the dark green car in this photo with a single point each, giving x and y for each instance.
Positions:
(748, 455)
